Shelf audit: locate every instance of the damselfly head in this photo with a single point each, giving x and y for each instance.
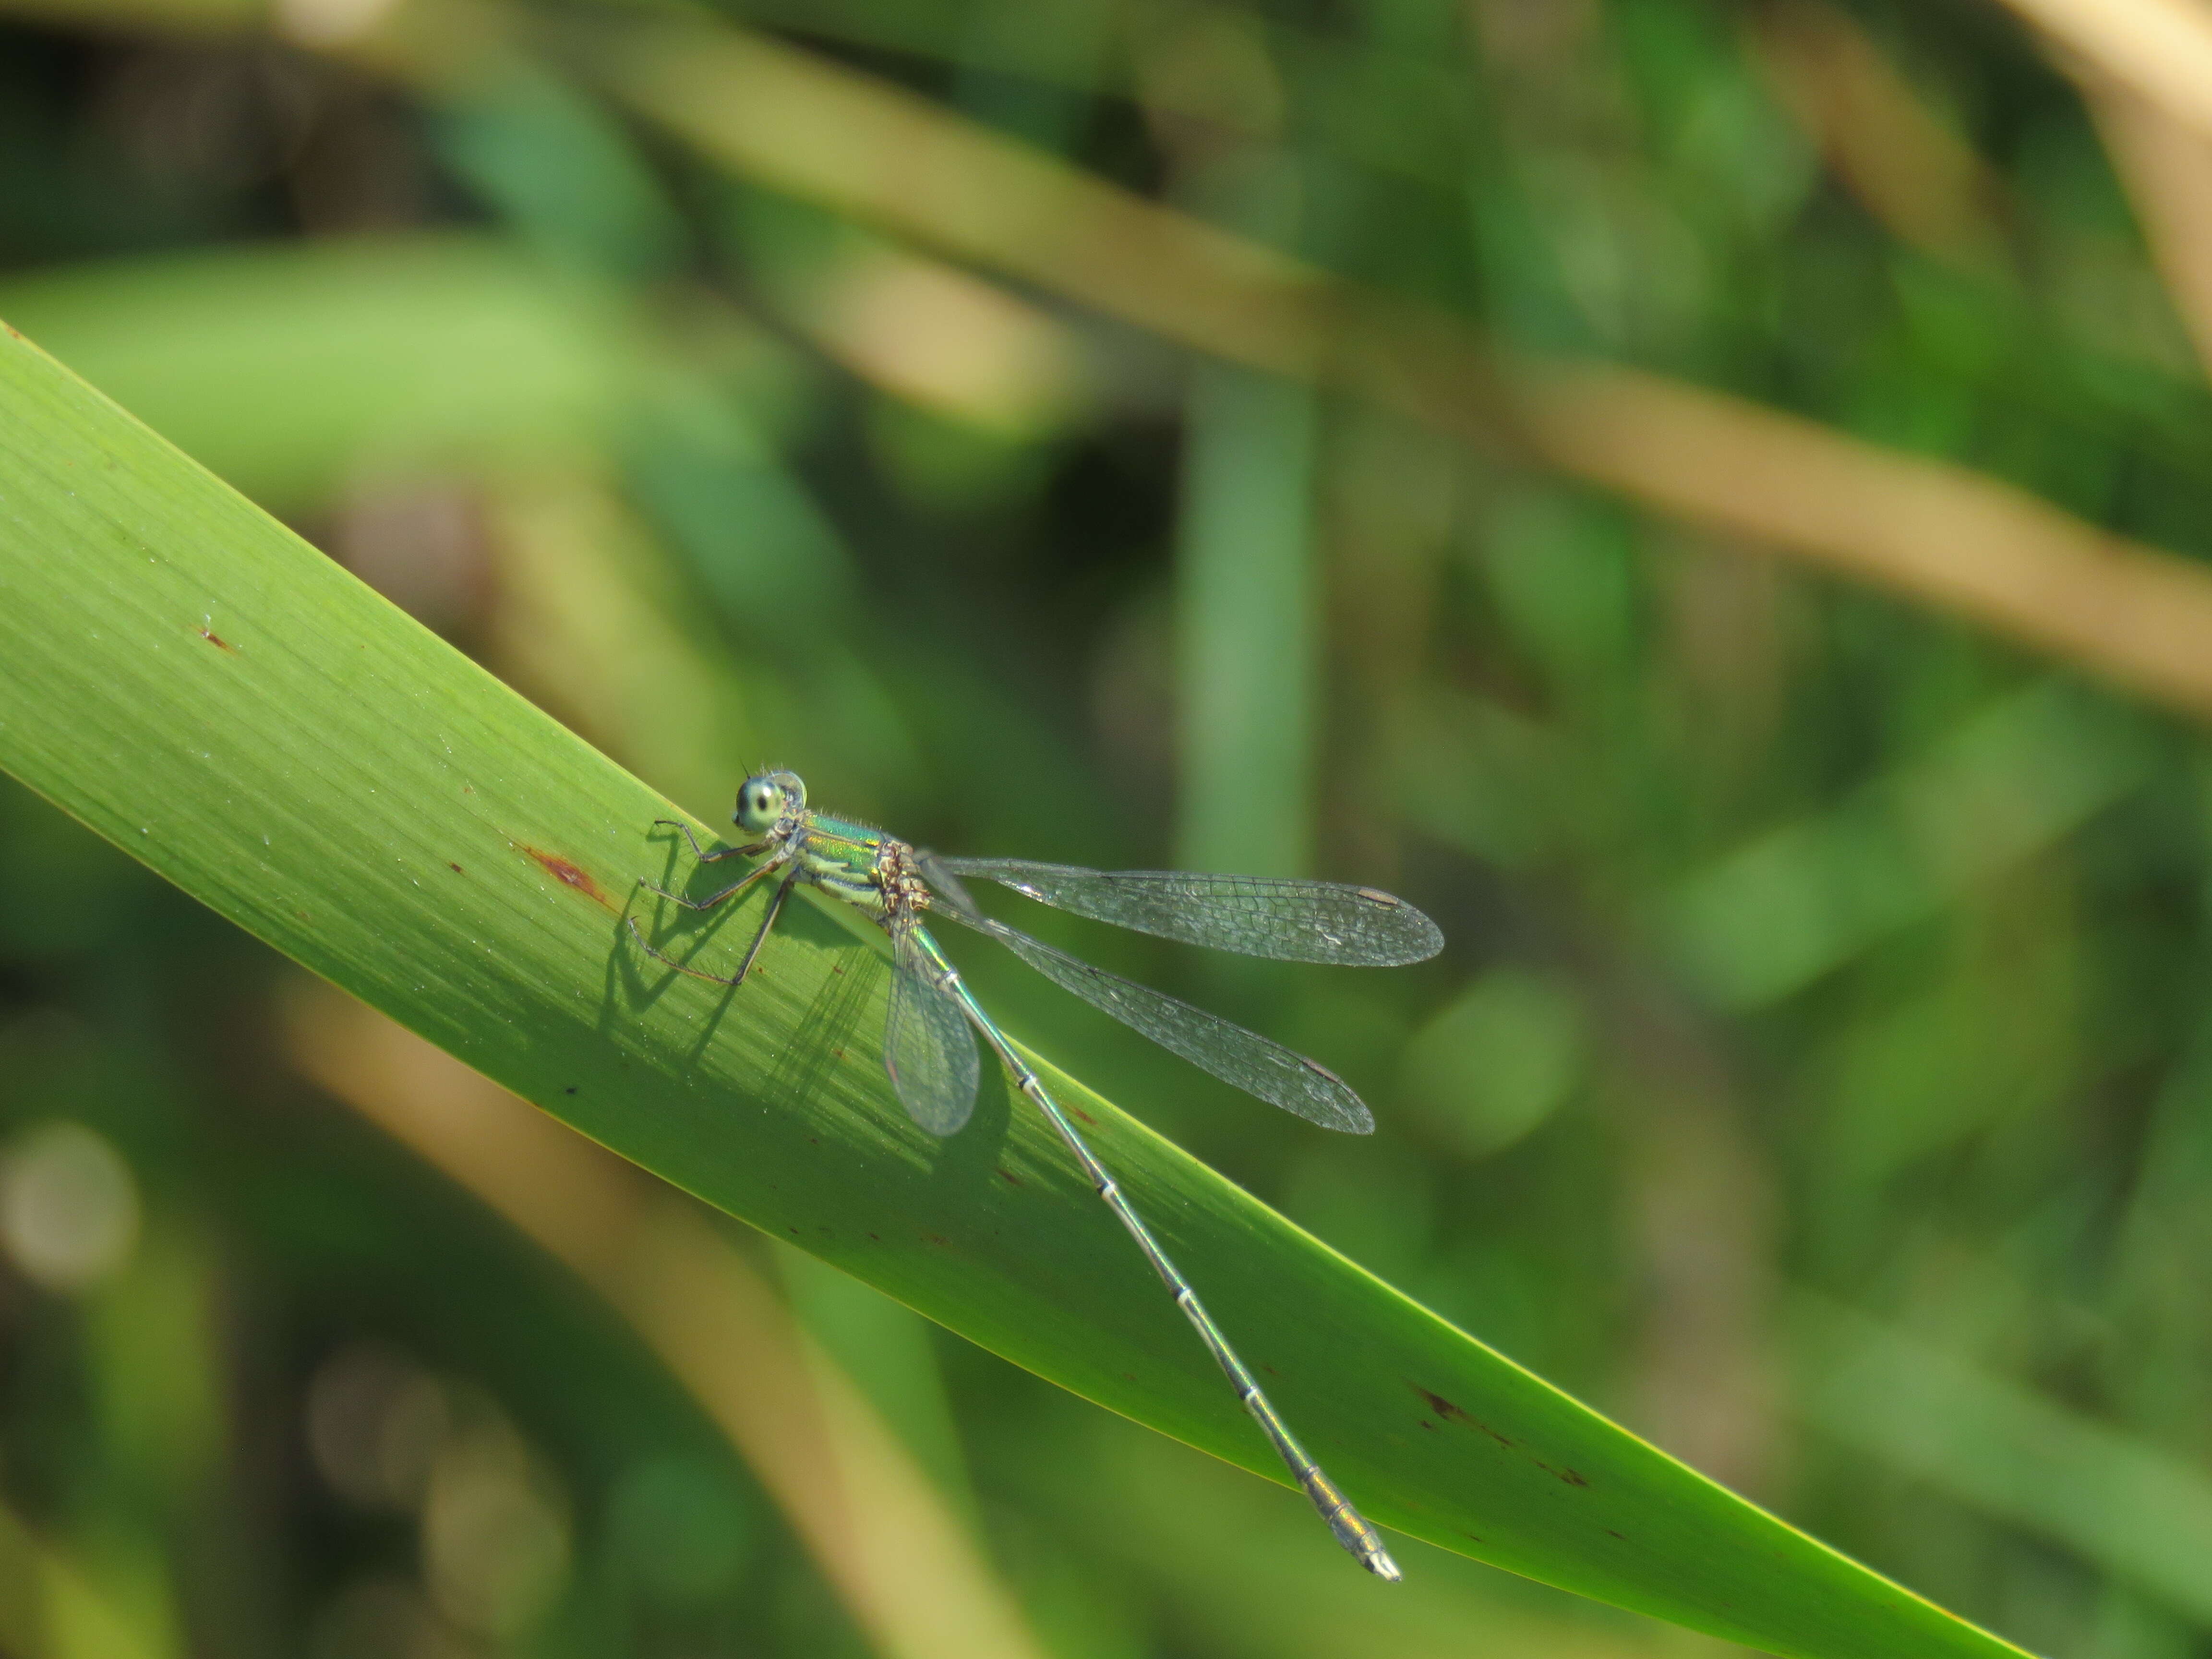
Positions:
(765, 799)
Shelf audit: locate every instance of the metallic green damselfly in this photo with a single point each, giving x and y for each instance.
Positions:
(931, 1054)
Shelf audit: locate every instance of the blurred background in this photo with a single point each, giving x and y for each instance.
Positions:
(1134, 432)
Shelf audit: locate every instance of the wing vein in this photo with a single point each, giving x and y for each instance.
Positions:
(1260, 1066)
(929, 1049)
(1288, 919)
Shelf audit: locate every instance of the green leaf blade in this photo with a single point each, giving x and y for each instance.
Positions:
(187, 677)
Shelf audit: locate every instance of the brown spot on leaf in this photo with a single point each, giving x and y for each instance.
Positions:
(218, 641)
(568, 874)
(1012, 1180)
(1452, 1413)
(455, 868)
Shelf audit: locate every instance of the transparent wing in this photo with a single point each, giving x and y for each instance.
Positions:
(937, 870)
(928, 1048)
(1252, 915)
(1251, 1061)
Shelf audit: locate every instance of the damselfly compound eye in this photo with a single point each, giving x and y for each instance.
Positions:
(760, 804)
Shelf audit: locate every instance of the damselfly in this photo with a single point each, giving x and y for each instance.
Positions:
(931, 1056)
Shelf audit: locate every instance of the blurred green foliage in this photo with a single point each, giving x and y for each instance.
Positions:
(1807, 952)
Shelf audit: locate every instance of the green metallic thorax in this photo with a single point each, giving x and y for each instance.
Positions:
(846, 859)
